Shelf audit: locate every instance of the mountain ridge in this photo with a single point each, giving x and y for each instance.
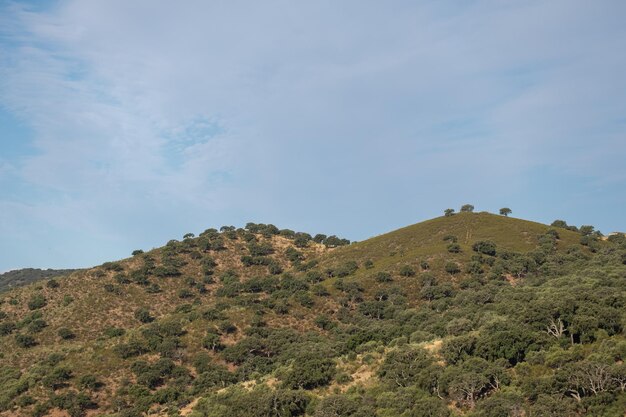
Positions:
(213, 308)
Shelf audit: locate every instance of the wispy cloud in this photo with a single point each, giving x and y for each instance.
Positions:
(182, 116)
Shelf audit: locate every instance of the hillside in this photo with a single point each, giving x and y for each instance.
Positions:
(20, 277)
(471, 314)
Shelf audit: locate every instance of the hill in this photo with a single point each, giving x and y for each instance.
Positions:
(20, 277)
(471, 314)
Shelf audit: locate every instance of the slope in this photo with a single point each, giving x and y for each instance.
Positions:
(255, 316)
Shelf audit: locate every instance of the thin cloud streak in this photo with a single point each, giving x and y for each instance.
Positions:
(300, 114)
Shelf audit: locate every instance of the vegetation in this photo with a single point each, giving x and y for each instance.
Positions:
(26, 276)
(471, 314)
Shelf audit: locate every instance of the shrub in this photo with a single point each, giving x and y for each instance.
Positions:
(57, 378)
(143, 315)
(454, 248)
(111, 332)
(452, 268)
(89, 382)
(52, 284)
(7, 328)
(407, 271)
(183, 293)
(383, 277)
(486, 247)
(37, 301)
(37, 325)
(275, 268)
(67, 300)
(25, 341)
(65, 333)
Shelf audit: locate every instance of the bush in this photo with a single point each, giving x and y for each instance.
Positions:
(90, 382)
(452, 268)
(7, 328)
(36, 302)
(65, 333)
(52, 284)
(37, 325)
(143, 315)
(112, 332)
(25, 341)
(57, 378)
(407, 271)
(454, 248)
(183, 293)
(383, 277)
(486, 247)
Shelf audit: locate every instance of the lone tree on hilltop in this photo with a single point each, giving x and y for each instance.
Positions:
(448, 212)
(467, 208)
(505, 211)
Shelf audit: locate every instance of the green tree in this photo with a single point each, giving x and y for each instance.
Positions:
(408, 366)
(448, 212)
(505, 211)
(467, 208)
(310, 371)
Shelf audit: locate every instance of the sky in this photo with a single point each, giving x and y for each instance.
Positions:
(126, 124)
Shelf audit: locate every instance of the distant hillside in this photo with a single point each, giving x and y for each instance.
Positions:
(26, 276)
(472, 315)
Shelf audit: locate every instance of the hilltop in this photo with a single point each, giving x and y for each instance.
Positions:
(466, 314)
(20, 277)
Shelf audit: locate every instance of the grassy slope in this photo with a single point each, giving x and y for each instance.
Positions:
(94, 309)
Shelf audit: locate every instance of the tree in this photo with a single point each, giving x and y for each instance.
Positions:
(410, 366)
(467, 208)
(448, 212)
(336, 406)
(310, 371)
(505, 211)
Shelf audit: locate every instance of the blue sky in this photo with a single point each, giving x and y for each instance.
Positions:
(125, 124)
